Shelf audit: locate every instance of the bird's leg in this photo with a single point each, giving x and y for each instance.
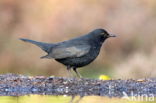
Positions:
(77, 73)
(69, 71)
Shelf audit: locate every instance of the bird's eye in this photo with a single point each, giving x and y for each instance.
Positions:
(102, 33)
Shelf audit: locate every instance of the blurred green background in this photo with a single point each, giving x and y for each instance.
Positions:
(131, 55)
(67, 99)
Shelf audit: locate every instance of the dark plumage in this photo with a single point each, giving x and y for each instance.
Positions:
(76, 52)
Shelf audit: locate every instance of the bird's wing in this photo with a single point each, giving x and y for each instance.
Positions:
(61, 52)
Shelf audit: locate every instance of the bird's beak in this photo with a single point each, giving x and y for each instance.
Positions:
(112, 35)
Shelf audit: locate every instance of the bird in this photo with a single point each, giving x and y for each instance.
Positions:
(76, 52)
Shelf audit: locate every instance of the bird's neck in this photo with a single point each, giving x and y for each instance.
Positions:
(100, 41)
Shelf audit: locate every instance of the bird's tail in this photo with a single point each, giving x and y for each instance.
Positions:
(44, 46)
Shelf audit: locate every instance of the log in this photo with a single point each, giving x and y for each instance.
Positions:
(18, 85)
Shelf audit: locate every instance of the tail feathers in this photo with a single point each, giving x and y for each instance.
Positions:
(44, 46)
(46, 56)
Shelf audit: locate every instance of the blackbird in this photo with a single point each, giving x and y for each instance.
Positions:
(77, 52)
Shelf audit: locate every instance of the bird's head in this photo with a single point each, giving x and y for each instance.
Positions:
(102, 34)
